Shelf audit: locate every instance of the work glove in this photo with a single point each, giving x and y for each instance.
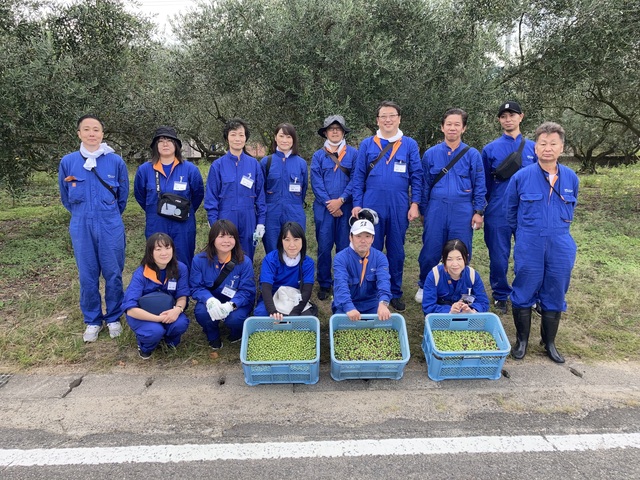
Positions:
(225, 309)
(258, 234)
(213, 308)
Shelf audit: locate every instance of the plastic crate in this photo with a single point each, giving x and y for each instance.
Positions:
(464, 364)
(303, 371)
(361, 369)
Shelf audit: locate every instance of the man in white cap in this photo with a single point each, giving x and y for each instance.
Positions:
(361, 276)
(331, 169)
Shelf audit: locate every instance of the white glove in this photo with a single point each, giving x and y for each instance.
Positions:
(225, 309)
(213, 308)
(259, 231)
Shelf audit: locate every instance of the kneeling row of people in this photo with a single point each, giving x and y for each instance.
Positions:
(222, 283)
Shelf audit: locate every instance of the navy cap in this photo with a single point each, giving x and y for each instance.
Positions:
(509, 106)
(166, 132)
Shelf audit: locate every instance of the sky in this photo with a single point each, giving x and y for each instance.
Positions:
(161, 11)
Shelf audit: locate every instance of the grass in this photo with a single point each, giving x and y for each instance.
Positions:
(41, 324)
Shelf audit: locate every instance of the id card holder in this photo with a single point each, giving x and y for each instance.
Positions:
(247, 181)
(172, 285)
(229, 291)
(295, 188)
(400, 167)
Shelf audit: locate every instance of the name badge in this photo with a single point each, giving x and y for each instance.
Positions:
(179, 186)
(295, 188)
(172, 285)
(229, 291)
(400, 167)
(247, 181)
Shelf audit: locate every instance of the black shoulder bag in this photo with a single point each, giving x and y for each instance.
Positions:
(172, 206)
(375, 162)
(226, 270)
(446, 169)
(106, 185)
(510, 165)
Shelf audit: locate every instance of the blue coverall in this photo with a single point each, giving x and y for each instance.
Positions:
(351, 291)
(330, 182)
(386, 190)
(497, 232)
(184, 180)
(449, 205)
(235, 192)
(239, 288)
(276, 273)
(439, 298)
(544, 251)
(144, 281)
(285, 191)
(97, 230)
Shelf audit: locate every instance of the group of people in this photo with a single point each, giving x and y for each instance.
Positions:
(364, 202)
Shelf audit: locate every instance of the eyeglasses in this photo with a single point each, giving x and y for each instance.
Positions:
(334, 129)
(388, 117)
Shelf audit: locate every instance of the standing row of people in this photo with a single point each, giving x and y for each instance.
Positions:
(448, 188)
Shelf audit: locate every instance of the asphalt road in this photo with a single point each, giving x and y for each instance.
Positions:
(211, 409)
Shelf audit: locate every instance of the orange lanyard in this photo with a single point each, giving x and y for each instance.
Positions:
(364, 262)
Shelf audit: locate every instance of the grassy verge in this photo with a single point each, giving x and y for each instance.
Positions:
(41, 325)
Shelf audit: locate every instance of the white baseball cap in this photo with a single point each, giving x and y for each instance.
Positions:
(360, 226)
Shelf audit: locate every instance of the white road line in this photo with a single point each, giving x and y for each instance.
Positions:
(346, 448)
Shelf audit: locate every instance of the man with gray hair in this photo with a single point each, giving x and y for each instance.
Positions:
(331, 169)
(540, 201)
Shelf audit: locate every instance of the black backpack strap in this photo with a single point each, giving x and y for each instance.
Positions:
(446, 169)
(378, 158)
(335, 159)
(106, 185)
(268, 166)
(226, 270)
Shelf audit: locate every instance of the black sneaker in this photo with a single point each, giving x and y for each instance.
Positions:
(398, 305)
(500, 306)
(323, 293)
(234, 339)
(144, 355)
(215, 344)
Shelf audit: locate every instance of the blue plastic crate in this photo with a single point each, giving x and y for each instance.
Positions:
(360, 369)
(303, 371)
(465, 364)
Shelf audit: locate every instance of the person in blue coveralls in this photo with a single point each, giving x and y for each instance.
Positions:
(94, 188)
(286, 184)
(362, 280)
(540, 203)
(331, 172)
(497, 232)
(388, 168)
(222, 283)
(453, 195)
(287, 266)
(453, 286)
(162, 281)
(235, 188)
(168, 173)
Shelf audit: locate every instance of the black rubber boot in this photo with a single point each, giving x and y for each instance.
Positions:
(522, 321)
(550, 322)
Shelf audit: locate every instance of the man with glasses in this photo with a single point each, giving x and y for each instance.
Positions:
(387, 168)
(331, 169)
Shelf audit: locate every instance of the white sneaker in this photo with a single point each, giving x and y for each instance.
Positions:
(115, 329)
(91, 333)
(418, 296)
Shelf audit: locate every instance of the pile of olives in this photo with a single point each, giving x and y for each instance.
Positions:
(281, 345)
(366, 344)
(463, 340)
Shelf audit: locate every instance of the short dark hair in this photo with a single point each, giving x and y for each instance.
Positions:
(155, 154)
(455, 111)
(296, 231)
(224, 227)
(453, 245)
(235, 124)
(85, 117)
(388, 103)
(549, 128)
(163, 240)
(287, 129)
